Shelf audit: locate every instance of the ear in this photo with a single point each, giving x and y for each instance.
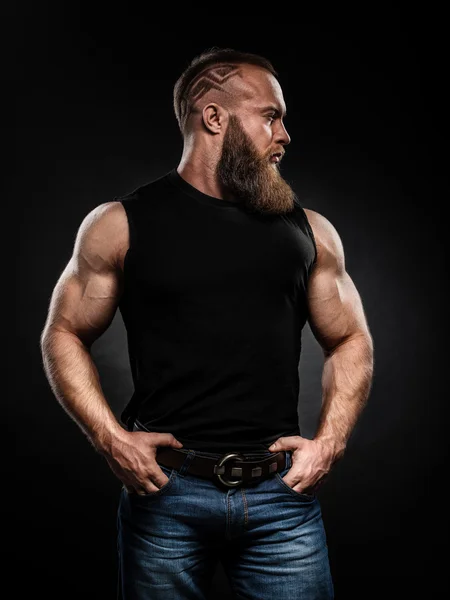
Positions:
(214, 118)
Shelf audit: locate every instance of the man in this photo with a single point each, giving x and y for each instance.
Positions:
(216, 267)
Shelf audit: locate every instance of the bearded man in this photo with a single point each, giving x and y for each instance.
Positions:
(216, 268)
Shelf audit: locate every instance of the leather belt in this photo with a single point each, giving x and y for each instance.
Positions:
(231, 469)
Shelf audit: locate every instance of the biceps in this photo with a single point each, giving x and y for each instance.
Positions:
(335, 308)
(84, 303)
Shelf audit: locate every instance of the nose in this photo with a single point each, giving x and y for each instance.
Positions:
(282, 135)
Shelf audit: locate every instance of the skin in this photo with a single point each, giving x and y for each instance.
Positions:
(256, 99)
(338, 322)
(87, 294)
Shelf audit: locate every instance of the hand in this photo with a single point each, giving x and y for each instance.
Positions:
(132, 458)
(311, 462)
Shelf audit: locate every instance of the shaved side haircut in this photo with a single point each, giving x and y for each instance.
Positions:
(211, 70)
(212, 78)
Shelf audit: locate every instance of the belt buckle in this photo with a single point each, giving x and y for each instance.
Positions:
(219, 468)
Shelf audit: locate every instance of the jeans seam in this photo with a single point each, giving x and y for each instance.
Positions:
(244, 500)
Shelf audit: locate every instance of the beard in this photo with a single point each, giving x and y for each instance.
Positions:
(250, 176)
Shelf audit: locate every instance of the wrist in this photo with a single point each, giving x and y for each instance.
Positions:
(332, 447)
(104, 438)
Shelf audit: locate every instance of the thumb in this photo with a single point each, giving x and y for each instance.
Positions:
(289, 442)
(167, 439)
(278, 445)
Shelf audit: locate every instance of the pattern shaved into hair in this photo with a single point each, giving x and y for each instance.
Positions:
(212, 78)
(211, 70)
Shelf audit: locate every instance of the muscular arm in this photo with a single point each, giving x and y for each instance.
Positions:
(82, 307)
(337, 320)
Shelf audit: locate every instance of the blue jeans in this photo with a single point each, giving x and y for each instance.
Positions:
(269, 538)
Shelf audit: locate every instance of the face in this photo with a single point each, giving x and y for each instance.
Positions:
(247, 167)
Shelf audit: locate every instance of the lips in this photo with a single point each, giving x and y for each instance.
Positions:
(275, 158)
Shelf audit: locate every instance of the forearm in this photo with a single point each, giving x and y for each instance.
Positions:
(75, 381)
(346, 382)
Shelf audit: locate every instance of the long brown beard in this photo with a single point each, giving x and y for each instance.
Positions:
(250, 177)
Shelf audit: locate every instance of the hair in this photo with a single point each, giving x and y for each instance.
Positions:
(208, 71)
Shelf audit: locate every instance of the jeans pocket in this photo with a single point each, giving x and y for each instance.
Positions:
(171, 473)
(299, 495)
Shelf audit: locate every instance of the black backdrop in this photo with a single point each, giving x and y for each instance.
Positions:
(94, 113)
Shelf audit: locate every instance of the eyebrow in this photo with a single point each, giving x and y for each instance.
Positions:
(273, 109)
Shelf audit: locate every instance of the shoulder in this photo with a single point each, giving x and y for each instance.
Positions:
(328, 241)
(103, 234)
(105, 220)
(145, 192)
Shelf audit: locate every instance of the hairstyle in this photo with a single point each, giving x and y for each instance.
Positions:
(209, 70)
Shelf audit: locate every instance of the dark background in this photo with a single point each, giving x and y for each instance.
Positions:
(94, 119)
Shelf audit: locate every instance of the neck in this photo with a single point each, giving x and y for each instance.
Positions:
(198, 167)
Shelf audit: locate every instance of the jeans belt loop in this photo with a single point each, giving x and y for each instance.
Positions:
(187, 461)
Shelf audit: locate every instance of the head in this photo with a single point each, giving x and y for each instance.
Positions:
(230, 109)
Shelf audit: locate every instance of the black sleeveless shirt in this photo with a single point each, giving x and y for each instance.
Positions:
(214, 305)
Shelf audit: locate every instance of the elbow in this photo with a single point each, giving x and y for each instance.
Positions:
(361, 339)
(52, 336)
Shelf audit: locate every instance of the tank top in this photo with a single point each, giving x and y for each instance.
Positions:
(214, 304)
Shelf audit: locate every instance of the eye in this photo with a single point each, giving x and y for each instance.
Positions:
(271, 118)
